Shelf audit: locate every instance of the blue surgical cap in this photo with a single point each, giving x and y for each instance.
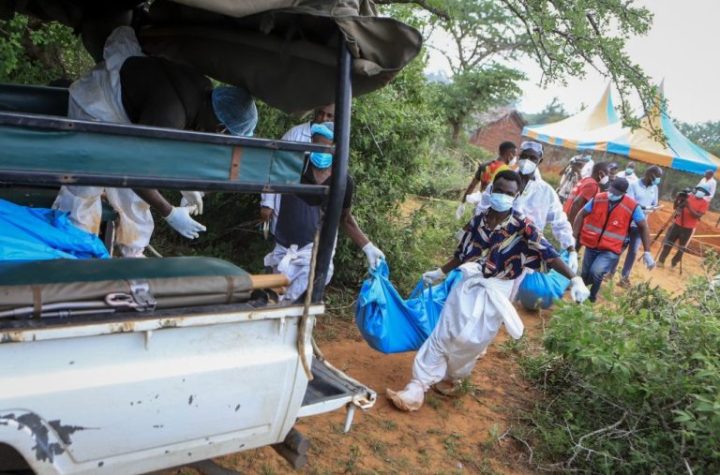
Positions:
(235, 108)
(326, 129)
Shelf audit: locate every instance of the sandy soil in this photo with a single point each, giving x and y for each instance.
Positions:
(448, 435)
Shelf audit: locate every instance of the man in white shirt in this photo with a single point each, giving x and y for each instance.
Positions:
(709, 183)
(629, 173)
(645, 192)
(538, 201)
(270, 202)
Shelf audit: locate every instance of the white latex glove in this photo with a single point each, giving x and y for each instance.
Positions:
(579, 292)
(432, 275)
(573, 261)
(474, 198)
(373, 254)
(649, 261)
(460, 211)
(193, 198)
(179, 219)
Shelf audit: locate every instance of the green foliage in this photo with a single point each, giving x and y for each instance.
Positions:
(32, 52)
(705, 134)
(635, 386)
(552, 112)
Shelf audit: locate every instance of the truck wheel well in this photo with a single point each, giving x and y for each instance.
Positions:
(11, 462)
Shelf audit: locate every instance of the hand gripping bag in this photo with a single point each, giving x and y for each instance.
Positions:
(539, 289)
(391, 324)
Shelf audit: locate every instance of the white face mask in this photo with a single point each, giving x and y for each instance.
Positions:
(513, 162)
(527, 167)
(604, 180)
(501, 202)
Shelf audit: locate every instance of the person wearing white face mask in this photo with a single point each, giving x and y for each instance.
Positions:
(498, 245)
(602, 227)
(586, 189)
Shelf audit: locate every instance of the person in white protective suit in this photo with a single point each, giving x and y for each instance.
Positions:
(300, 218)
(129, 87)
(270, 202)
(538, 201)
(498, 245)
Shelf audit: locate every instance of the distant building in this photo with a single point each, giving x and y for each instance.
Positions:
(496, 126)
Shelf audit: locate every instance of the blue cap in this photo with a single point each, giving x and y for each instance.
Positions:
(235, 108)
(326, 129)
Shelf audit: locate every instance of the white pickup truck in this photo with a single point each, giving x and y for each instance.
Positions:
(122, 366)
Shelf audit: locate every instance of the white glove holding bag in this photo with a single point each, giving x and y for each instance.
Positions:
(179, 219)
(649, 261)
(474, 198)
(373, 254)
(579, 292)
(193, 198)
(573, 262)
(433, 275)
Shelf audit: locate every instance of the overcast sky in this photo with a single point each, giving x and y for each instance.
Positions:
(681, 48)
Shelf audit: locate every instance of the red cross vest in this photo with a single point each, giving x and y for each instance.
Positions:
(606, 231)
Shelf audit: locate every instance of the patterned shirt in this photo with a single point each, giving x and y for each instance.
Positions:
(505, 251)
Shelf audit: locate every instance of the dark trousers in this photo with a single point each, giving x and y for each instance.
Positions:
(679, 234)
(632, 249)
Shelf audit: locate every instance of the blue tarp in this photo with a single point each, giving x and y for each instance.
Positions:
(540, 289)
(391, 324)
(36, 234)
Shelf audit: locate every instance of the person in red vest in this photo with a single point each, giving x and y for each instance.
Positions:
(688, 211)
(586, 189)
(602, 227)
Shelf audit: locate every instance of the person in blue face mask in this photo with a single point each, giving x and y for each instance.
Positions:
(602, 227)
(300, 216)
(645, 192)
(498, 244)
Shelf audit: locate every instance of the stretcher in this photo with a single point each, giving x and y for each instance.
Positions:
(63, 287)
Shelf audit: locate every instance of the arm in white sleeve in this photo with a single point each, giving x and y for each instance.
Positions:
(267, 200)
(561, 227)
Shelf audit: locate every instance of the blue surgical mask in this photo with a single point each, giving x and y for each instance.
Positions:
(321, 160)
(656, 180)
(501, 202)
(614, 197)
(700, 194)
(629, 171)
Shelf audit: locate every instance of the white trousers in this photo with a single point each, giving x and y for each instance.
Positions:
(135, 222)
(472, 316)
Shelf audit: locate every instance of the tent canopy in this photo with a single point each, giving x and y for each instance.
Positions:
(579, 133)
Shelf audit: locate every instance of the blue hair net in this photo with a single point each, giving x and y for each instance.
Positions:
(235, 108)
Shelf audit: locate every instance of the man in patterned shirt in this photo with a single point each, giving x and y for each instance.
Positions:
(497, 245)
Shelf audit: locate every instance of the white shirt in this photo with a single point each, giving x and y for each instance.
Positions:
(541, 204)
(711, 185)
(646, 196)
(630, 178)
(587, 169)
(299, 133)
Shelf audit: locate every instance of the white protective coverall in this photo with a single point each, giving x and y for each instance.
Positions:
(539, 202)
(470, 320)
(97, 96)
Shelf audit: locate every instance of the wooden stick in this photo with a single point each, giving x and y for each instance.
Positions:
(269, 281)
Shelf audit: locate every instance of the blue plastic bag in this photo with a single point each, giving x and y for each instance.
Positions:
(36, 233)
(540, 289)
(391, 324)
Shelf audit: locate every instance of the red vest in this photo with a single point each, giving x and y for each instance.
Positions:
(607, 231)
(584, 183)
(492, 169)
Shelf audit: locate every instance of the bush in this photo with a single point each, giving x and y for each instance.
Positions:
(635, 386)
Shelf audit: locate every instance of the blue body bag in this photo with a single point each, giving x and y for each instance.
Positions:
(35, 234)
(391, 324)
(540, 289)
